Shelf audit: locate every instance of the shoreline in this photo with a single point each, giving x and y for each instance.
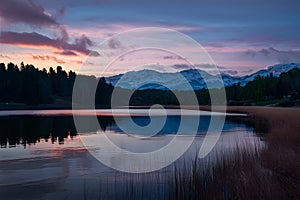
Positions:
(277, 113)
(274, 115)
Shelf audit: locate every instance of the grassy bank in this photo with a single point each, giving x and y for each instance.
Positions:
(272, 173)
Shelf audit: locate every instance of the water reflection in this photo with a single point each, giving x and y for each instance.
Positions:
(26, 130)
(61, 167)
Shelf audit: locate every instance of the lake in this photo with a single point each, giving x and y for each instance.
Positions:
(42, 155)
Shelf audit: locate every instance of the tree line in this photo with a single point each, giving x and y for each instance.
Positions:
(284, 89)
(29, 85)
(268, 88)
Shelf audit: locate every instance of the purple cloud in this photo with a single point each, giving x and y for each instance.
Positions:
(80, 45)
(181, 66)
(67, 53)
(60, 12)
(280, 56)
(44, 58)
(173, 58)
(25, 11)
(114, 43)
(7, 37)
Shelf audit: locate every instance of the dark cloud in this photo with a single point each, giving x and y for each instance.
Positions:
(264, 52)
(67, 53)
(218, 45)
(114, 43)
(206, 66)
(251, 53)
(232, 72)
(45, 58)
(173, 58)
(80, 45)
(60, 12)
(7, 37)
(25, 11)
(274, 54)
(94, 54)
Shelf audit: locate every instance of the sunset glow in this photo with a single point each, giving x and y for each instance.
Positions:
(48, 33)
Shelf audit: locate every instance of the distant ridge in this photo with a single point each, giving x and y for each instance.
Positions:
(132, 79)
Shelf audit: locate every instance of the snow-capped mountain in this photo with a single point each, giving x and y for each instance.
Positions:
(188, 79)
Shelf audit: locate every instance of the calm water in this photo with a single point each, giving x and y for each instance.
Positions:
(42, 155)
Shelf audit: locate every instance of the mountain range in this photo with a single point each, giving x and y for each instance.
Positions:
(133, 79)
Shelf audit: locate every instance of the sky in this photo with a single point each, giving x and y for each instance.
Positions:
(240, 36)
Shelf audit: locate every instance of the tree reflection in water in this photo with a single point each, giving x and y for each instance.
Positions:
(26, 130)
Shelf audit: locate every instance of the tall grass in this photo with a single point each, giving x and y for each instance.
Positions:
(229, 177)
(270, 171)
(223, 176)
(243, 175)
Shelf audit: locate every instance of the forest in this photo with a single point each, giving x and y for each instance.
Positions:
(31, 86)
